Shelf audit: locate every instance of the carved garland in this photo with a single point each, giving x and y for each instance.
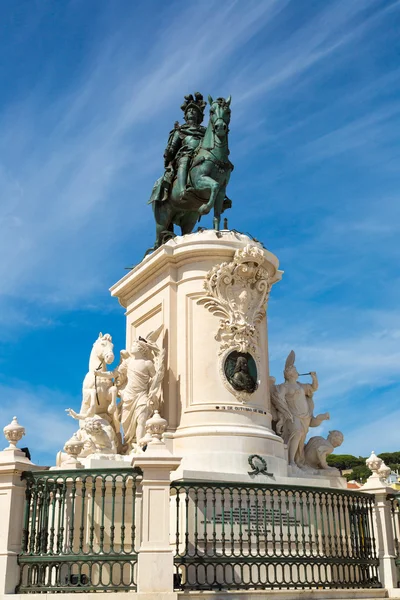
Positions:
(237, 292)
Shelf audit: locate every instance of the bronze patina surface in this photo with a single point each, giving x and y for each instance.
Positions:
(197, 169)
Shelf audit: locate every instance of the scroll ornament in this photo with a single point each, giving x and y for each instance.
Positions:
(237, 292)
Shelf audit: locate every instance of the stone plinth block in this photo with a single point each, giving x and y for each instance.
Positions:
(156, 561)
(210, 290)
(12, 499)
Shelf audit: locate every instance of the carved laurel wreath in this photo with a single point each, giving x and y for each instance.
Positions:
(259, 465)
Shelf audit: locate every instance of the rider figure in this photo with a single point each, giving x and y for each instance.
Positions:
(182, 142)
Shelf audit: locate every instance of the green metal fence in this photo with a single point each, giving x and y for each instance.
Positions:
(79, 531)
(239, 536)
(395, 511)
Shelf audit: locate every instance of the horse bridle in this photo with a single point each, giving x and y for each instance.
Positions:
(218, 163)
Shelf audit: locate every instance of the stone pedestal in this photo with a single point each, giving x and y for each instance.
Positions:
(214, 429)
(155, 560)
(383, 529)
(12, 498)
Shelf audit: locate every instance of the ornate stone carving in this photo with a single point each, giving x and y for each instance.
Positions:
(13, 433)
(384, 471)
(73, 447)
(237, 292)
(156, 427)
(373, 462)
(100, 437)
(138, 378)
(258, 465)
(380, 472)
(318, 448)
(98, 415)
(279, 407)
(137, 381)
(293, 404)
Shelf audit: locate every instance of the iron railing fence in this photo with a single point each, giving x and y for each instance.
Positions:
(244, 536)
(79, 531)
(395, 512)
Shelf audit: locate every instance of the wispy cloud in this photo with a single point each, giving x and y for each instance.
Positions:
(350, 350)
(320, 37)
(380, 433)
(372, 130)
(356, 355)
(69, 168)
(40, 411)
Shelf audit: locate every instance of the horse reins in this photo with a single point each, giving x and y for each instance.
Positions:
(95, 382)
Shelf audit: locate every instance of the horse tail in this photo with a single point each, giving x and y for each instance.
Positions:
(156, 211)
(162, 212)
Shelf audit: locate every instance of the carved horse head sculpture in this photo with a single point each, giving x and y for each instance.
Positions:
(102, 353)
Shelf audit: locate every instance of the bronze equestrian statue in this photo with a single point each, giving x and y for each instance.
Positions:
(197, 169)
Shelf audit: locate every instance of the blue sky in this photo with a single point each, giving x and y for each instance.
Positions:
(89, 90)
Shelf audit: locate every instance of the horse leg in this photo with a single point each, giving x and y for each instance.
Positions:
(207, 183)
(159, 234)
(188, 221)
(218, 209)
(162, 214)
(182, 175)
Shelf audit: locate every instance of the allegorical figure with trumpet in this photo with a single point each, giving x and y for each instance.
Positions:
(294, 406)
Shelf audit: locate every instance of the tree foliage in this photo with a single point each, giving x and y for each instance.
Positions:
(344, 461)
(360, 471)
(390, 458)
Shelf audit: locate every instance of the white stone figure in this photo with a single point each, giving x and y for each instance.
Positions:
(99, 399)
(101, 438)
(318, 448)
(298, 398)
(279, 407)
(139, 377)
(73, 447)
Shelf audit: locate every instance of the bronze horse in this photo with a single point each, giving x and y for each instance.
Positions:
(208, 177)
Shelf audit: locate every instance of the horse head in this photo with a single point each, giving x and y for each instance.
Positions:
(220, 116)
(103, 349)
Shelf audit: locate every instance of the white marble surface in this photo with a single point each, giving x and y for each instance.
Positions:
(213, 430)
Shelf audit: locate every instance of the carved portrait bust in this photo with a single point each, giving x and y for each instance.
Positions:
(241, 372)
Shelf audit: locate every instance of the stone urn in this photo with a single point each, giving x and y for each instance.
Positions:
(384, 471)
(13, 433)
(73, 448)
(373, 463)
(155, 427)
